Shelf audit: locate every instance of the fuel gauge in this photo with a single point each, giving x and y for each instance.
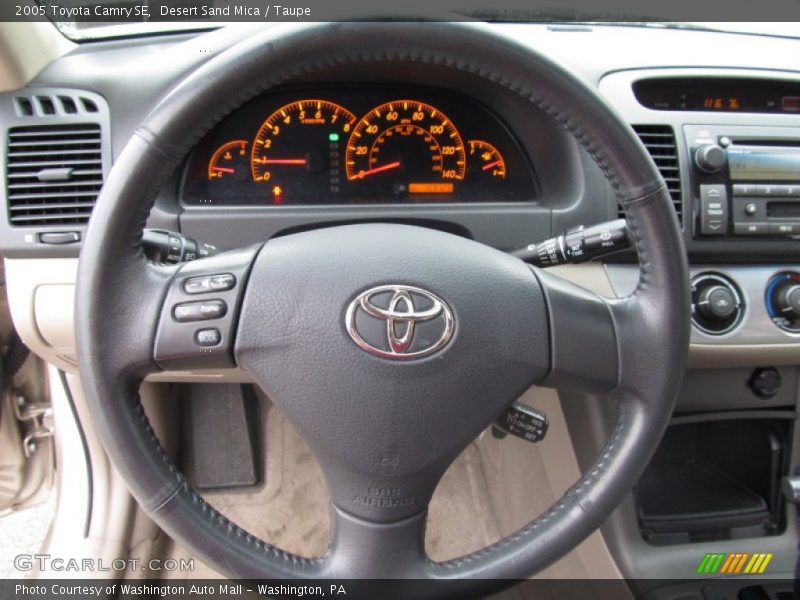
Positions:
(230, 161)
(485, 158)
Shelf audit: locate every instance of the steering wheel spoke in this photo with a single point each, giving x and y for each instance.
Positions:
(200, 312)
(583, 337)
(362, 548)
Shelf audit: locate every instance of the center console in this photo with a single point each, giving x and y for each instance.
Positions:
(729, 149)
(747, 179)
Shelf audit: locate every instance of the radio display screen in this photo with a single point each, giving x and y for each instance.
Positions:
(764, 164)
(723, 94)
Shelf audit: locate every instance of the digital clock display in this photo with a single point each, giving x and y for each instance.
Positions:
(722, 103)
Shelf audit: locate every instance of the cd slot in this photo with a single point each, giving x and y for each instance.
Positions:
(765, 142)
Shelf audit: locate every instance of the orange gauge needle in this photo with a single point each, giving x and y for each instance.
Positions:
(394, 165)
(491, 164)
(223, 169)
(283, 161)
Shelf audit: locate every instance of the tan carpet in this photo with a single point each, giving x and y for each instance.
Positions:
(493, 488)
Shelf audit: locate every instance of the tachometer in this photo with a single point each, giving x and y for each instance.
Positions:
(406, 146)
(299, 139)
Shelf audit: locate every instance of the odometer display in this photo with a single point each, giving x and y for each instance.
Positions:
(404, 143)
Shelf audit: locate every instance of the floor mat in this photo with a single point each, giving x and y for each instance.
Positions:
(291, 509)
(23, 532)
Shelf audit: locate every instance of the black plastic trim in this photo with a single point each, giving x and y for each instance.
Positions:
(24, 241)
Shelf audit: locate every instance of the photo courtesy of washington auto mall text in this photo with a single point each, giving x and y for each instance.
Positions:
(202, 589)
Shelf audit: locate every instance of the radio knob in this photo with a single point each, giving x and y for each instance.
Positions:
(789, 301)
(710, 158)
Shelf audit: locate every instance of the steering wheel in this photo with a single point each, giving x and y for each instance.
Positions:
(390, 347)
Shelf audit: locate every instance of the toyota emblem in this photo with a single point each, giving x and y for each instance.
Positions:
(399, 322)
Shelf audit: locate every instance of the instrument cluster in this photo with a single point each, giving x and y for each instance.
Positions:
(358, 145)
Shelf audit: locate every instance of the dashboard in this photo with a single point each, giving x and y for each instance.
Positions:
(358, 145)
(439, 149)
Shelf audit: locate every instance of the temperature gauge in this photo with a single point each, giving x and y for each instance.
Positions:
(230, 161)
(485, 158)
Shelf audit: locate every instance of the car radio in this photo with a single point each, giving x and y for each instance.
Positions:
(746, 180)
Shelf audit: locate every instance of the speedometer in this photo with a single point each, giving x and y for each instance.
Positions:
(405, 146)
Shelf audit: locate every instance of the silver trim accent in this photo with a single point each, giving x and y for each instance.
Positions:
(754, 328)
(401, 296)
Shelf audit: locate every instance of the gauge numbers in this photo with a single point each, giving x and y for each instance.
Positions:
(403, 144)
(359, 145)
(300, 139)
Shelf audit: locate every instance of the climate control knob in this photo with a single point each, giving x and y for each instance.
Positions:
(717, 302)
(717, 305)
(789, 301)
(783, 301)
(710, 158)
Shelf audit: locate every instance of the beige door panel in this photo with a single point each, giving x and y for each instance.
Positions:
(26, 450)
(25, 49)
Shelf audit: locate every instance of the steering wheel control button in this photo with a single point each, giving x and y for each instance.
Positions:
(222, 282)
(399, 322)
(523, 422)
(197, 285)
(208, 337)
(717, 305)
(713, 209)
(199, 311)
(210, 283)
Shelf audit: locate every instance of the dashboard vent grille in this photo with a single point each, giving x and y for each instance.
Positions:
(54, 105)
(660, 143)
(53, 173)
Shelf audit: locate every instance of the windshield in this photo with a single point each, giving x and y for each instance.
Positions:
(98, 19)
(81, 31)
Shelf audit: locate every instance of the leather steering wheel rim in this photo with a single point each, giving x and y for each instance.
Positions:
(119, 297)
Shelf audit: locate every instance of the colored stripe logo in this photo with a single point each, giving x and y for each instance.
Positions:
(734, 563)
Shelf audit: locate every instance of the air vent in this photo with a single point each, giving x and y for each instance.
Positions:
(660, 143)
(52, 105)
(53, 173)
